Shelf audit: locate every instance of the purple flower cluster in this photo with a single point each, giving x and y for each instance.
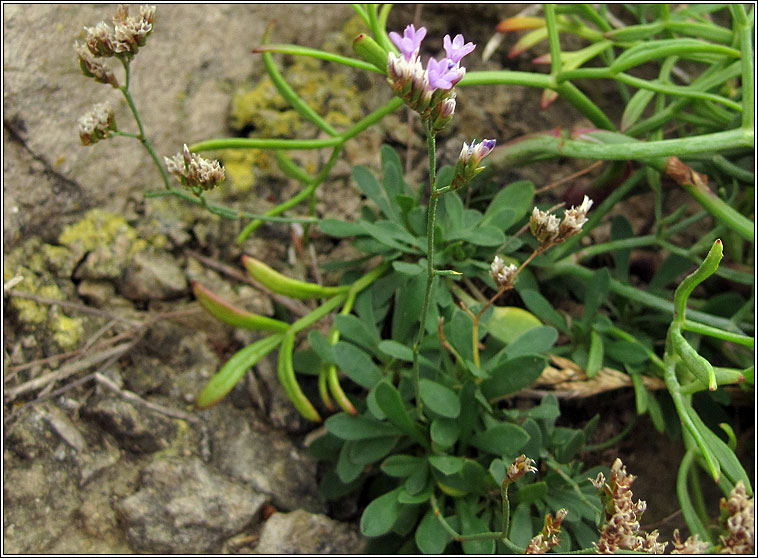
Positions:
(428, 91)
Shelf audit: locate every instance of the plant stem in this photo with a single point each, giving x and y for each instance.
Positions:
(294, 200)
(142, 138)
(473, 537)
(430, 218)
(643, 297)
(227, 212)
(693, 520)
(742, 29)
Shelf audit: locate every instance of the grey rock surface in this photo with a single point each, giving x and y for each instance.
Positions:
(183, 506)
(135, 428)
(153, 276)
(269, 462)
(300, 532)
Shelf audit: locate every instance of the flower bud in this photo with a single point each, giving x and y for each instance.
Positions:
(469, 160)
(442, 113)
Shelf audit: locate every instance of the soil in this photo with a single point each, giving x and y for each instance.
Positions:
(89, 459)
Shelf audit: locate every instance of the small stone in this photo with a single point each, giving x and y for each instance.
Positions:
(300, 532)
(267, 461)
(184, 507)
(153, 276)
(135, 428)
(96, 293)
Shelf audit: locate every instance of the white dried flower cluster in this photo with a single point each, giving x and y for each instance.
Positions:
(621, 529)
(549, 230)
(574, 218)
(544, 226)
(127, 35)
(123, 40)
(195, 172)
(503, 274)
(97, 123)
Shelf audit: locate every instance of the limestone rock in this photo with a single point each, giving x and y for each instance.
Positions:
(300, 532)
(184, 507)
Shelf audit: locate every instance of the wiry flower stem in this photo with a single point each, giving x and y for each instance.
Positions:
(430, 219)
(142, 137)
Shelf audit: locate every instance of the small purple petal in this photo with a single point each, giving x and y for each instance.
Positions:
(455, 49)
(410, 42)
(444, 74)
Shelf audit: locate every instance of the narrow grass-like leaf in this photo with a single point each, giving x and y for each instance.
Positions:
(226, 378)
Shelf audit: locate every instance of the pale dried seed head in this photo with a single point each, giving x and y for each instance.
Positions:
(693, 545)
(98, 39)
(520, 466)
(503, 274)
(194, 171)
(97, 124)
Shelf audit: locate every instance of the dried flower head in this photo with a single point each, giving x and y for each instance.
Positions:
(520, 467)
(195, 172)
(502, 274)
(544, 227)
(621, 528)
(549, 230)
(94, 68)
(130, 32)
(738, 520)
(693, 545)
(549, 536)
(97, 123)
(99, 39)
(574, 218)
(127, 35)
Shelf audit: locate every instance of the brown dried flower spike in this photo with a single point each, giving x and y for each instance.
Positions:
(520, 467)
(738, 519)
(195, 172)
(621, 529)
(549, 536)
